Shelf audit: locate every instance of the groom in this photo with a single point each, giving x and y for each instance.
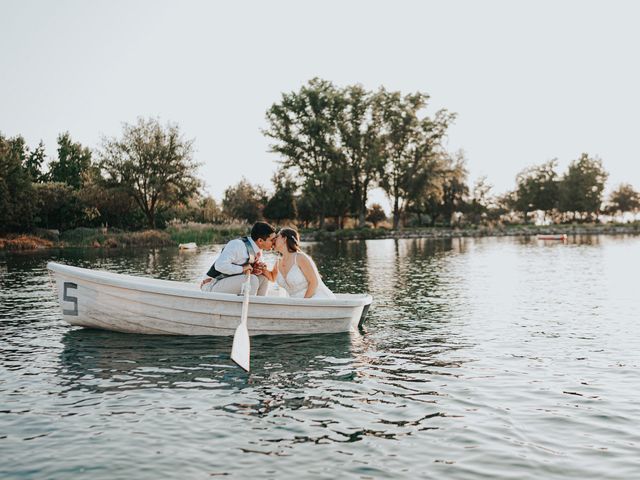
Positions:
(239, 257)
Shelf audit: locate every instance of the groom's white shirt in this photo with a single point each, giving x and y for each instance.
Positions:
(234, 256)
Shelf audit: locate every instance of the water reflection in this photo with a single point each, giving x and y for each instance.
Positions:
(489, 357)
(341, 276)
(100, 361)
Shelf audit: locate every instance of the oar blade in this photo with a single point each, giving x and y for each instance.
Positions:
(240, 351)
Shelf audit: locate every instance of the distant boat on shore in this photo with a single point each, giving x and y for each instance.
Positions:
(188, 246)
(559, 236)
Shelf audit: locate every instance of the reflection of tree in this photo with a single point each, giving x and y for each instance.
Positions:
(417, 279)
(584, 239)
(343, 265)
(420, 264)
(414, 290)
(571, 240)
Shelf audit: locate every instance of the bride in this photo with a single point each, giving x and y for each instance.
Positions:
(296, 272)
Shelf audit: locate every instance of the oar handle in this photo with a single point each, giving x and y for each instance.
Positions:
(245, 301)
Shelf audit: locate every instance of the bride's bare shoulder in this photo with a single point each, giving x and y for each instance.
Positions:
(302, 257)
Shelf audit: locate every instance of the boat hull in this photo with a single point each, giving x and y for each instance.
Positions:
(124, 303)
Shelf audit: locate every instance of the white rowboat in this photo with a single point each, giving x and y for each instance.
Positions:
(126, 303)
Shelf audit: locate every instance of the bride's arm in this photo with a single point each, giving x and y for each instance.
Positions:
(310, 275)
(273, 274)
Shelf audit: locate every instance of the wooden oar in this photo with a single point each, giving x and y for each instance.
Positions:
(241, 350)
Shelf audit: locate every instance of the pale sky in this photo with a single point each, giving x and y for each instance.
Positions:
(529, 81)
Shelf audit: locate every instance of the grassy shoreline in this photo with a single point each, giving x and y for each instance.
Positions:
(472, 232)
(207, 235)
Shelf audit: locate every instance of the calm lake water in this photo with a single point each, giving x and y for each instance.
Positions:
(482, 358)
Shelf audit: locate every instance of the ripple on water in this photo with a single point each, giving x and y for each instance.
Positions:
(501, 358)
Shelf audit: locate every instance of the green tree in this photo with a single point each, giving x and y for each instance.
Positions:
(501, 207)
(444, 190)
(244, 201)
(360, 141)
(537, 189)
(34, 163)
(338, 193)
(58, 205)
(426, 200)
(189, 211)
(211, 211)
(72, 163)
(16, 190)
(113, 205)
(376, 214)
(306, 210)
(453, 186)
(303, 126)
(154, 163)
(624, 199)
(582, 186)
(477, 208)
(282, 205)
(410, 147)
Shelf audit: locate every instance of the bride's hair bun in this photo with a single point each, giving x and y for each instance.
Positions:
(292, 238)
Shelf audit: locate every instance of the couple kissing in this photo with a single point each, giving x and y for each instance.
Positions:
(295, 272)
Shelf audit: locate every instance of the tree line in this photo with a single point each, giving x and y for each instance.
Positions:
(141, 179)
(335, 145)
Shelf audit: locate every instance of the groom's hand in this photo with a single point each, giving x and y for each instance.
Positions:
(259, 268)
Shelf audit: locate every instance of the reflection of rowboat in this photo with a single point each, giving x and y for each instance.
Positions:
(562, 236)
(101, 361)
(125, 303)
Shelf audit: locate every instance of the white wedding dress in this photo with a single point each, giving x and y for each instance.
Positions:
(296, 284)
